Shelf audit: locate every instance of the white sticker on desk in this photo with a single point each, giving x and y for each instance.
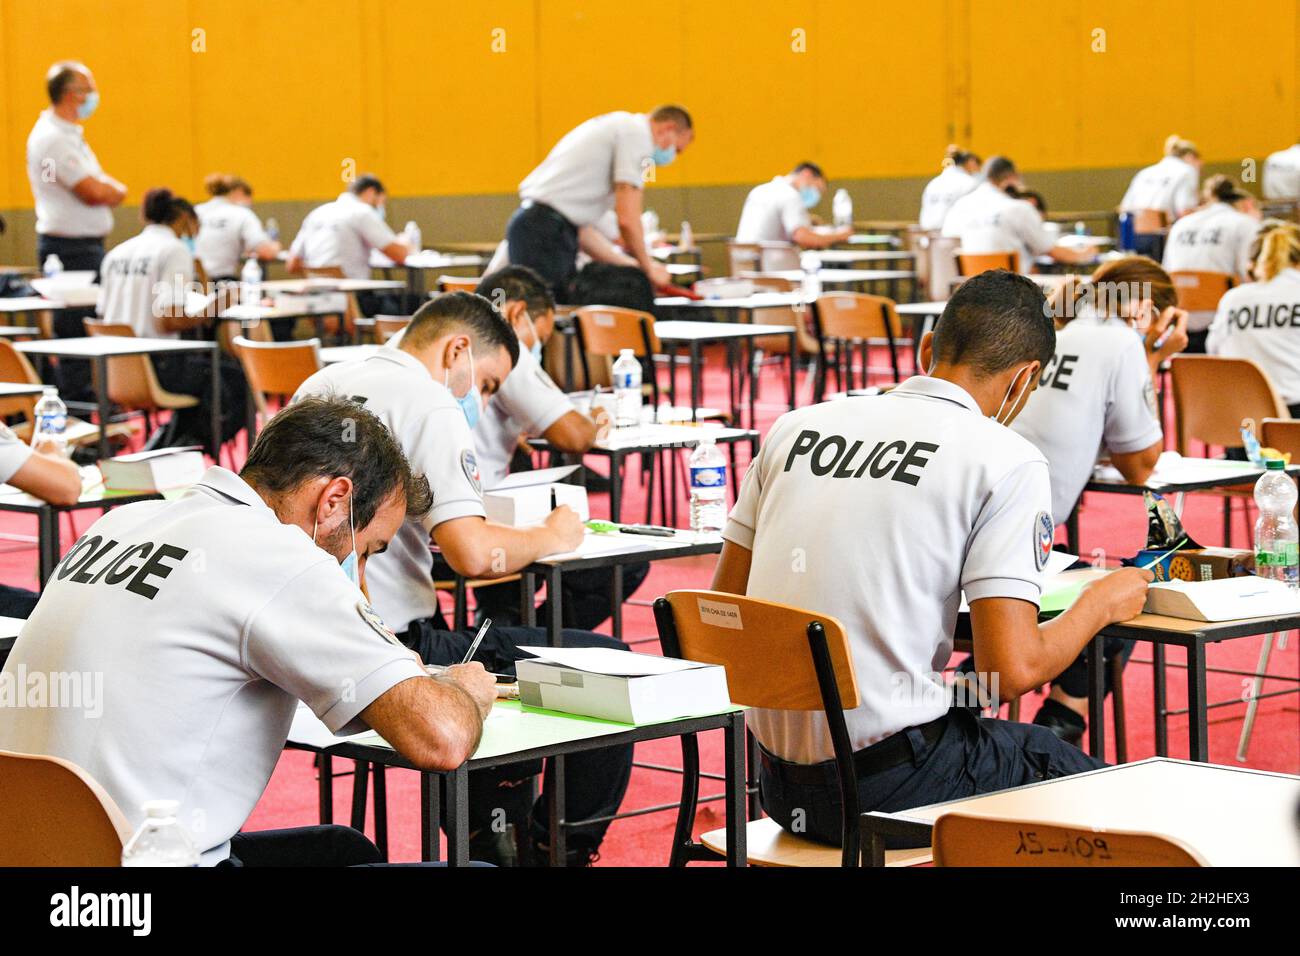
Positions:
(721, 614)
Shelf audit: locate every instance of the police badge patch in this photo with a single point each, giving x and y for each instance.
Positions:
(1044, 532)
(371, 617)
(469, 464)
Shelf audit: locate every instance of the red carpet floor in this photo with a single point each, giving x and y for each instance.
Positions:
(1113, 523)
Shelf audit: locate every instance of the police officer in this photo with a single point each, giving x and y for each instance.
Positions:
(1218, 236)
(959, 176)
(1282, 174)
(211, 616)
(1097, 393)
(990, 218)
(1260, 320)
(229, 230)
(1169, 186)
(601, 164)
(893, 505)
(781, 211)
(456, 351)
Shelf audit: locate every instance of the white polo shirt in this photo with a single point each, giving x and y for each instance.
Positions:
(14, 453)
(435, 436)
(986, 219)
(342, 233)
(527, 404)
(208, 620)
(1169, 185)
(1095, 394)
(1216, 238)
(773, 212)
(143, 276)
(1282, 174)
(578, 175)
(879, 511)
(227, 233)
(941, 193)
(58, 157)
(1260, 321)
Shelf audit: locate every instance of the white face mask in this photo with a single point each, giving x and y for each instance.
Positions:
(1015, 404)
(351, 565)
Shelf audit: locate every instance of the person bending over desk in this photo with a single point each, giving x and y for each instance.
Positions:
(212, 615)
(887, 508)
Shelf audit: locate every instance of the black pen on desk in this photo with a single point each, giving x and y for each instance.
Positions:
(554, 503)
(478, 639)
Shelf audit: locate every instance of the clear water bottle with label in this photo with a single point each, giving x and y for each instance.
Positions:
(160, 840)
(411, 235)
(51, 420)
(708, 468)
(627, 389)
(273, 229)
(52, 267)
(1277, 541)
(250, 282)
(811, 265)
(842, 209)
(686, 239)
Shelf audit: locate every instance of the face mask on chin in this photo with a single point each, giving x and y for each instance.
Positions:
(1015, 404)
(471, 403)
(663, 155)
(351, 564)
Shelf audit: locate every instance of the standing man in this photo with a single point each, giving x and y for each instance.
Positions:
(602, 164)
(781, 211)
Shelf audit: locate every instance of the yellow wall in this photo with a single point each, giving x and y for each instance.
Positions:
(289, 93)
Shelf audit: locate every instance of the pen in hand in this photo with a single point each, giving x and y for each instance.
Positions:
(478, 639)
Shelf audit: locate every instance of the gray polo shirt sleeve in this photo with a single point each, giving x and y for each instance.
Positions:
(1131, 422)
(13, 453)
(1013, 532)
(317, 639)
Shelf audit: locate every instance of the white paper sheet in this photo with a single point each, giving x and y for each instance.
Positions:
(606, 660)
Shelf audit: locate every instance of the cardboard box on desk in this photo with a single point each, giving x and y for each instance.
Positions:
(620, 685)
(524, 498)
(1197, 564)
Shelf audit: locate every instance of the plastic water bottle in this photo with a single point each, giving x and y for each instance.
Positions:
(1277, 543)
(811, 265)
(161, 840)
(842, 209)
(708, 470)
(51, 420)
(53, 266)
(272, 229)
(250, 282)
(627, 390)
(686, 239)
(414, 241)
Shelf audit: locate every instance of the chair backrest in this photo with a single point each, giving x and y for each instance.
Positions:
(973, 263)
(606, 330)
(857, 315)
(457, 284)
(386, 326)
(351, 313)
(1200, 291)
(744, 256)
(797, 317)
(1149, 220)
(1213, 394)
(966, 840)
(942, 265)
(14, 367)
(1282, 434)
(132, 381)
(53, 814)
(277, 368)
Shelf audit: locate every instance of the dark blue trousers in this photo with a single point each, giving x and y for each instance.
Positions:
(327, 845)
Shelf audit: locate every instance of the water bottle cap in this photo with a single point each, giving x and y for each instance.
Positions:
(623, 352)
(159, 809)
(1274, 464)
(50, 390)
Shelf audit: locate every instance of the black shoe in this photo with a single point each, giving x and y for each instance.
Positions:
(575, 854)
(1062, 721)
(495, 847)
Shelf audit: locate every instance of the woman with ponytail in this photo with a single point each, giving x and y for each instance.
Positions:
(1168, 187)
(1218, 236)
(1260, 320)
(959, 176)
(229, 230)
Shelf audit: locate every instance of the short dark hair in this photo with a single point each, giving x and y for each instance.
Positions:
(676, 115)
(999, 168)
(811, 167)
(993, 321)
(366, 181)
(60, 76)
(164, 207)
(334, 437)
(517, 284)
(453, 311)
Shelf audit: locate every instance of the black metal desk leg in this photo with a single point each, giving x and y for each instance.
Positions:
(794, 365)
(1096, 699)
(751, 780)
(1072, 530)
(430, 814)
(1160, 699)
(47, 537)
(1198, 744)
(737, 817)
(360, 790)
(325, 779)
(527, 595)
(696, 384)
(216, 405)
(457, 786)
(381, 810)
(100, 370)
(616, 602)
(615, 487)
(554, 606)
(554, 784)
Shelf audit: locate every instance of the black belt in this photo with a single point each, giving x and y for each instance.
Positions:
(894, 751)
(549, 211)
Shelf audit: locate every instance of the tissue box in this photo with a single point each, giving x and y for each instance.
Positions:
(1199, 564)
(524, 498)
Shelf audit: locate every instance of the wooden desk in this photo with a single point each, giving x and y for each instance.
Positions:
(1232, 816)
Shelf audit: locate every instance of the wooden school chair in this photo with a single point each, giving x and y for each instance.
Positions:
(457, 284)
(1199, 292)
(845, 321)
(350, 314)
(15, 367)
(386, 326)
(1212, 396)
(973, 263)
(761, 256)
(54, 814)
(133, 384)
(1150, 221)
(780, 658)
(962, 839)
(276, 368)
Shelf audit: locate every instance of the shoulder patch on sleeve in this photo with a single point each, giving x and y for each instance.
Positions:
(1044, 532)
(469, 463)
(371, 617)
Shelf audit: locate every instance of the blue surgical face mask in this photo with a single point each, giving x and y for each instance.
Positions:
(537, 351)
(189, 243)
(87, 109)
(471, 403)
(351, 564)
(381, 211)
(810, 196)
(663, 156)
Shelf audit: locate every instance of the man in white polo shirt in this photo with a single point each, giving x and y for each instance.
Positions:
(429, 390)
(1281, 178)
(988, 219)
(780, 211)
(600, 165)
(887, 508)
(210, 616)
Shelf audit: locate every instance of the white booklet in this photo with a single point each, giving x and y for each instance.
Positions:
(1227, 599)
